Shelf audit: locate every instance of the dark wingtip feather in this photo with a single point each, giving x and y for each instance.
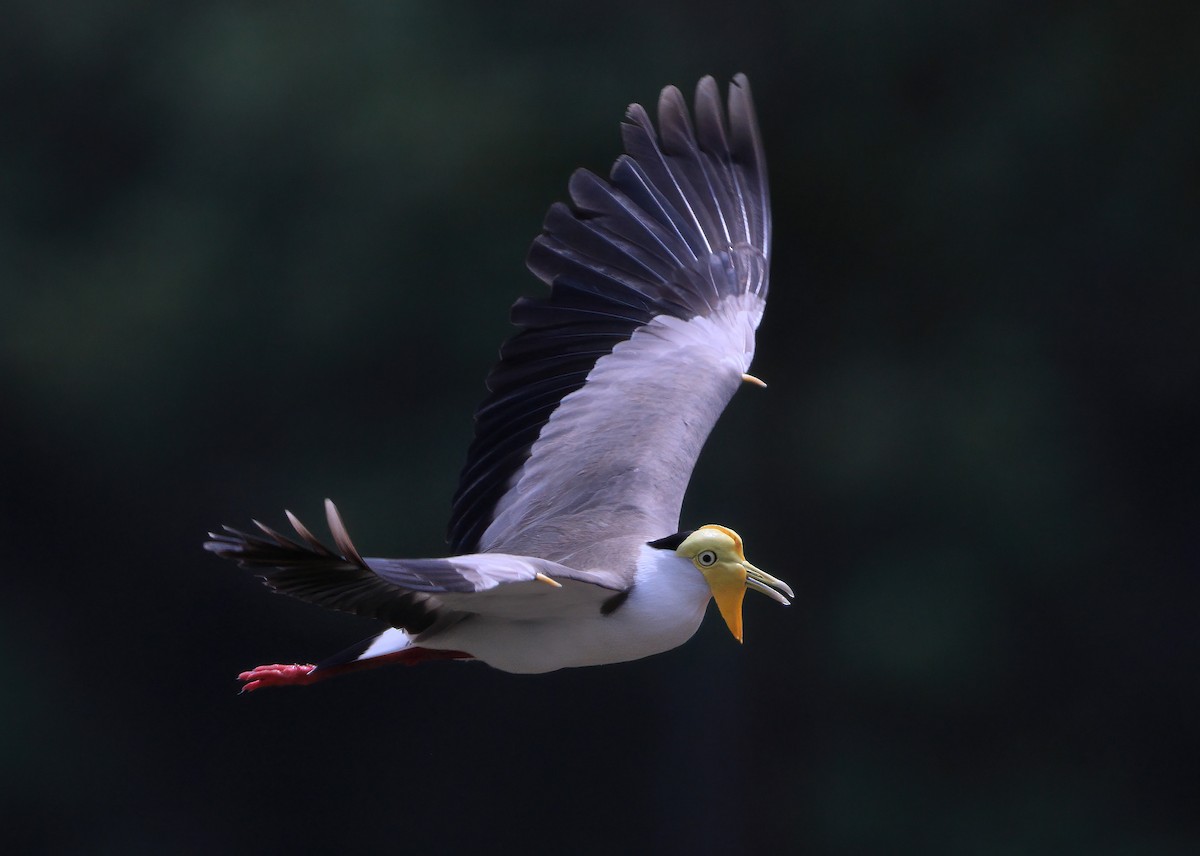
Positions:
(312, 572)
(281, 540)
(276, 551)
(340, 536)
(217, 544)
(301, 530)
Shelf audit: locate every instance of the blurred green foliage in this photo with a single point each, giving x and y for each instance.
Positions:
(256, 254)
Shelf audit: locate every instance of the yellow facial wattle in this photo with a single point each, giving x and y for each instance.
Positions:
(717, 553)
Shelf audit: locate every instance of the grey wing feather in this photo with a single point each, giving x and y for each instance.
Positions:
(601, 403)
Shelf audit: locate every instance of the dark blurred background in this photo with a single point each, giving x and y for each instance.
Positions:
(253, 255)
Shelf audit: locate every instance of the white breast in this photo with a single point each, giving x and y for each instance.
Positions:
(663, 610)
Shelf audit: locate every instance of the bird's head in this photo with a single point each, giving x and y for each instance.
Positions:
(717, 553)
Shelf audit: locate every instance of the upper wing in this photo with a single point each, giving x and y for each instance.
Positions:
(600, 405)
(414, 594)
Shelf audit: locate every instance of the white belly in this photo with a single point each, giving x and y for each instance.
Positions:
(663, 610)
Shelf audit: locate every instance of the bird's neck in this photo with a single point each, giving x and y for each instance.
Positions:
(669, 579)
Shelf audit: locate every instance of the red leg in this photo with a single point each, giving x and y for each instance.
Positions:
(299, 675)
(278, 675)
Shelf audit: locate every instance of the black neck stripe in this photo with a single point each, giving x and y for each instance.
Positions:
(671, 542)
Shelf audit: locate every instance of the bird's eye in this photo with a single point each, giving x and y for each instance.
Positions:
(707, 558)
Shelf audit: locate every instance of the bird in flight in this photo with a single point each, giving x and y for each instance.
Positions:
(565, 523)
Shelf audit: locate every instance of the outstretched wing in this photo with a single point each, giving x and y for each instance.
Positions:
(414, 594)
(600, 405)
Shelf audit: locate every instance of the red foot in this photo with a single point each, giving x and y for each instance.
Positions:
(303, 674)
(295, 675)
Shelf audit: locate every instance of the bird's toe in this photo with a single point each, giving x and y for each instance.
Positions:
(277, 675)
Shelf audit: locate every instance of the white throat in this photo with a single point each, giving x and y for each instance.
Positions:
(670, 591)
